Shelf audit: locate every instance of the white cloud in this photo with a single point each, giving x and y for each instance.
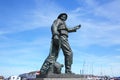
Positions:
(93, 33)
(94, 30)
(41, 16)
(110, 11)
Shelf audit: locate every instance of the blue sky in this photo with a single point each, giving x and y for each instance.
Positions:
(25, 35)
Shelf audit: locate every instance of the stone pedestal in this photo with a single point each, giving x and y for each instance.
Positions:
(61, 77)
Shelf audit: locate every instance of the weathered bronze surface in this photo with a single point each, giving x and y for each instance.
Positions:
(59, 41)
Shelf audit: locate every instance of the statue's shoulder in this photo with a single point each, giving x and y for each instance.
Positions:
(58, 21)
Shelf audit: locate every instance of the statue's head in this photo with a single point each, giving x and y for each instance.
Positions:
(63, 16)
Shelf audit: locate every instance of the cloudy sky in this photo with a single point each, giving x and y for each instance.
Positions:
(25, 35)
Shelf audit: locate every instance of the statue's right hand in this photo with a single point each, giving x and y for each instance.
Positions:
(56, 37)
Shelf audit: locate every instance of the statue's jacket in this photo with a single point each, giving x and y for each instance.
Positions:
(59, 28)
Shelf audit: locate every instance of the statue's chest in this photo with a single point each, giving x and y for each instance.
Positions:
(62, 26)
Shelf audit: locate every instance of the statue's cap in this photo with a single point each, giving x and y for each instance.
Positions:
(61, 15)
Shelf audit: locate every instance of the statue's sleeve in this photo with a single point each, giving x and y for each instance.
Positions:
(72, 29)
(54, 27)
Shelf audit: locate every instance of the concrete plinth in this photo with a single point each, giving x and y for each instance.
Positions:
(61, 77)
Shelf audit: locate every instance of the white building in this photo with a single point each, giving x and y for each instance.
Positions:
(14, 78)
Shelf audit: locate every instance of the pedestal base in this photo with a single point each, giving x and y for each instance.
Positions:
(61, 77)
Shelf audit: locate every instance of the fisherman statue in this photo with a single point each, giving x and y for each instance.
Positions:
(59, 41)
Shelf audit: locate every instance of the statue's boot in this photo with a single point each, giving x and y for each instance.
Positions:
(68, 69)
(47, 67)
(68, 63)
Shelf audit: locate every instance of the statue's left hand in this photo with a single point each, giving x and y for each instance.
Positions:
(78, 27)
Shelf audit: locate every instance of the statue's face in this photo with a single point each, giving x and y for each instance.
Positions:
(63, 17)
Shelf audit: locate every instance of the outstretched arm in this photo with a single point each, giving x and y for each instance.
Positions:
(74, 29)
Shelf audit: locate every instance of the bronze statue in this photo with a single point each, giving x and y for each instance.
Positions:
(59, 41)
